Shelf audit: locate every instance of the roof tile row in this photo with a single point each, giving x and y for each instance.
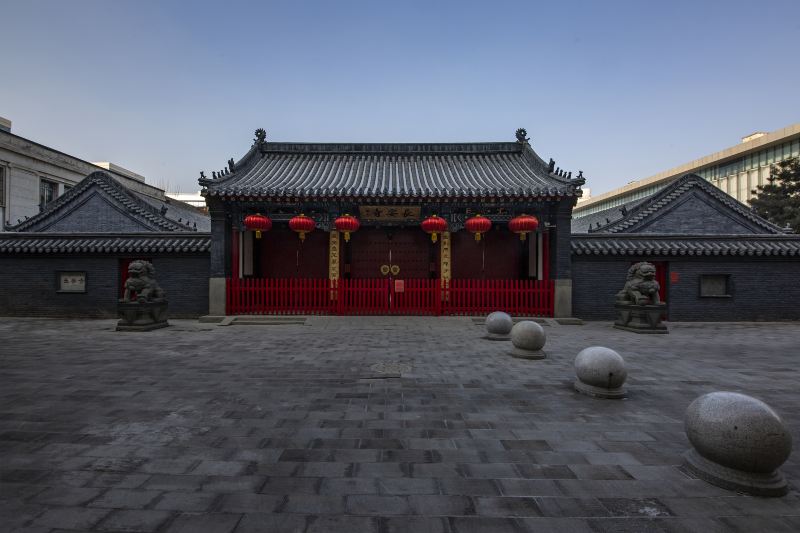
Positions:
(48, 243)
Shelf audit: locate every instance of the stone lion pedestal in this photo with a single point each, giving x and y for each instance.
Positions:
(640, 318)
(639, 308)
(141, 316)
(143, 307)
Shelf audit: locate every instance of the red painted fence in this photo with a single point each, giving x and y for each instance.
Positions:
(251, 296)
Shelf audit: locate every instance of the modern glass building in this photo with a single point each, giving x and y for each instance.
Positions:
(737, 170)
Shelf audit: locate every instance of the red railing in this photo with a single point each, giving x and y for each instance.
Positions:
(250, 296)
(514, 296)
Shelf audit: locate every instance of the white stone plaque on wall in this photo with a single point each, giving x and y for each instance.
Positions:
(72, 282)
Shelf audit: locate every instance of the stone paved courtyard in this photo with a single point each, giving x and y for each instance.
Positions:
(206, 428)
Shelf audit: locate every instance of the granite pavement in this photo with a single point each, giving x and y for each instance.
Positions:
(371, 424)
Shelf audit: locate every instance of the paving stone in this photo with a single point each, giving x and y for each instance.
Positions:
(408, 486)
(272, 523)
(312, 504)
(219, 468)
(378, 505)
(344, 524)
(490, 471)
(189, 501)
(506, 506)
(433, 505)
(325, 470)
(173, 482)
(204, 523)
(532, 471)
(118, 481)
(529, 487)
(130, 520)
(600, 472)
(165, 466)
(416, 525)
(334, 486)
(125, 499)
(554, 525)
(483, 525)
(233, 483)
(649, 507)
(382, 470)
(566, 507)
(244, 421)
(66, 496)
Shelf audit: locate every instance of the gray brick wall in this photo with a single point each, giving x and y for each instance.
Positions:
(761, 289)
(28, 285)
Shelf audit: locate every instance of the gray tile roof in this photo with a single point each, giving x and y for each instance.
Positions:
(637, 244)
(590, 222)
(464, 170)
(182, 213)
(149, 212)
(67, 243)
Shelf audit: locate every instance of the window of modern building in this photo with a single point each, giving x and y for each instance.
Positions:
(715, 285)
(48, 191)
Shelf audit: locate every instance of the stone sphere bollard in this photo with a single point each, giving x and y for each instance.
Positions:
(528, 339)
(498, 326)
(600, 372)
(738, 443)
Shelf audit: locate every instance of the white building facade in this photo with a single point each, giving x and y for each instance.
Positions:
(32, 175)
(737, 170)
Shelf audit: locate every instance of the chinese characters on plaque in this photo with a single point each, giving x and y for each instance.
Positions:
(333, 255)
(72, 282)
(389, 213)
(445, 256)
(487, 211)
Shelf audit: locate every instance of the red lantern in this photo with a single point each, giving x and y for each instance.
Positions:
(347, 224)
(257, 223)
(434, 225)
(477, 225)
(302, 225)
(523, 225)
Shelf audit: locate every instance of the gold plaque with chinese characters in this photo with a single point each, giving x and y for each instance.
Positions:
(389, 213)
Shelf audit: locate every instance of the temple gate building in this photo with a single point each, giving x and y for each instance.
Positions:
(462, 228)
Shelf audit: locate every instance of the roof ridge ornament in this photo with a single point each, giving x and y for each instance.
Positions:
(261, 136)
(522, 136)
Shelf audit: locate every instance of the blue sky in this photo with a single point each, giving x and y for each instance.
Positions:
(620, 90)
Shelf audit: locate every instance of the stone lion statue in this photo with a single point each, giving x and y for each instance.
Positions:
(641, 288)
(141, 282)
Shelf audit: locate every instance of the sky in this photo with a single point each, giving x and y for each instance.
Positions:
(619, 89)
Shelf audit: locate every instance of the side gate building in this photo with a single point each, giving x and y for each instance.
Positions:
(715, 259)
(71, 259)
(462, 228)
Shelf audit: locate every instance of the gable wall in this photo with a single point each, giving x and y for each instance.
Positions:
(698, 214)
(96, 215)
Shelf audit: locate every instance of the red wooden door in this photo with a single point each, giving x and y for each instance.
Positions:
(369, 250)
(402, 259)
(406, 253)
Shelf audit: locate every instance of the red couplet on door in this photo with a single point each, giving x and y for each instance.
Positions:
(399, 285)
